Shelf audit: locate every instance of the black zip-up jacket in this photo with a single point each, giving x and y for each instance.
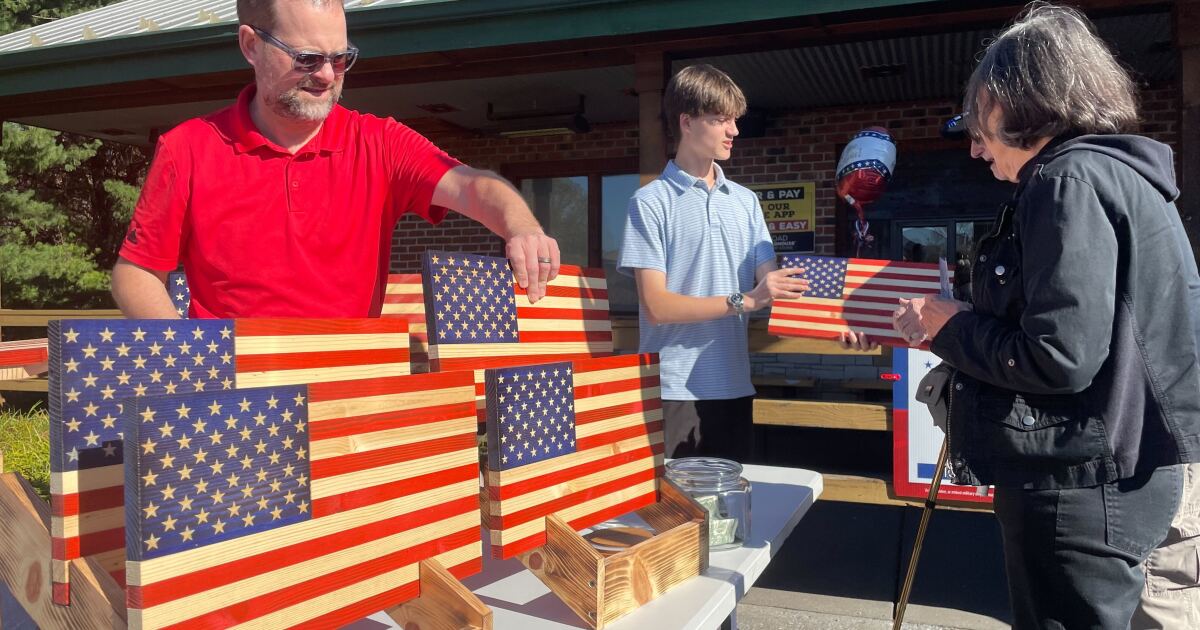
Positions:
(1078, 364)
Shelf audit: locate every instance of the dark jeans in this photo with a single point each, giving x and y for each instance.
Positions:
(709, 428)
(1073, 555)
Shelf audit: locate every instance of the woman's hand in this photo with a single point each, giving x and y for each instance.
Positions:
(922, 318)
(856, 340)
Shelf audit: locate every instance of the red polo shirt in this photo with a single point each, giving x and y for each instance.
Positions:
(265, 233)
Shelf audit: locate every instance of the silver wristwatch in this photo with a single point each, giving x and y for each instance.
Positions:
(737, 301)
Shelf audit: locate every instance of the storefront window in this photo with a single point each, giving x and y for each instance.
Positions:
(615, 193)
(561, 206)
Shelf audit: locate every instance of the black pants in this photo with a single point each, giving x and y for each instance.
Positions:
(709, 428)
(1073, 555)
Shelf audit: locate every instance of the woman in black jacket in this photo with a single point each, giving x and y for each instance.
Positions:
(1075, 386)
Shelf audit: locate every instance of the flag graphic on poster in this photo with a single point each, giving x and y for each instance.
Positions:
(591, 452)
(181, 295)
(477, 317)
(298, 505)
(404, 298)
(850, 294)
(95, 365)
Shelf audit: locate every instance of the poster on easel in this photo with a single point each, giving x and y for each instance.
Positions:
(916, 440)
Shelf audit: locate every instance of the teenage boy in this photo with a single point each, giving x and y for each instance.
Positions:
(699, 249)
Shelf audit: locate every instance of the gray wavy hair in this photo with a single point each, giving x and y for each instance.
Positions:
(1050, 74)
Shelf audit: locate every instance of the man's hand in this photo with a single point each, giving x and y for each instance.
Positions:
(776, 284)
(923, 318)
(535, 260)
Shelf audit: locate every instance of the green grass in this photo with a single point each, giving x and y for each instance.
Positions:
(25, 442)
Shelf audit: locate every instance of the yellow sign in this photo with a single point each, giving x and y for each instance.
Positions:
(790, 212)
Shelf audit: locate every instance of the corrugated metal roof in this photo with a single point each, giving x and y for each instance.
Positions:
(133, 17)
(935, 66)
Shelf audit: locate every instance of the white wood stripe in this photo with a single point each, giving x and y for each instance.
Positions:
(192, 560)
(74, 482)
(294, 344)
(87, 523)
(583, 405)
(615, 374)
(875, 268)
(399, 401)
(801, 326)
(322, 374)
(468, 350)
(829, 315)
(376, 440)
(185, 608)
(855, 292)
(856, 283)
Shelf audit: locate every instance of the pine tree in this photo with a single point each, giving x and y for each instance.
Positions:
(65, 200)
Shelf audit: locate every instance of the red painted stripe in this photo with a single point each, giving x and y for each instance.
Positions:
(616, 361)
(575, 498)
(832, 307)
(570, 292)
(87, 544)
(339, 390)
(508, 491)
(365, 607)
(24, 356)
(604, 413)
(393, 490)
(278, 327)
(402, 298)
(319, 359)
(265, 604)
(877, 286)
(537, 540)
(355, 462)
(899, 264)
(484, 362)
(60, 593)
(87, 501)
(613, 387)
(618, 435)
(549, 336)
(158, 593)
(573, 314)
(395, 419)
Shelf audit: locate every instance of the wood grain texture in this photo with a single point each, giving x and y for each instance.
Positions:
(875, 491)
(96, 600)
(571, 568)
(444, 603)
(823, 414)
(645, 571)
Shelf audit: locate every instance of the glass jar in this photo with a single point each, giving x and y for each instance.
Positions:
(717, 485)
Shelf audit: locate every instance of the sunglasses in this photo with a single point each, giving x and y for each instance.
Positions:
(309, 62)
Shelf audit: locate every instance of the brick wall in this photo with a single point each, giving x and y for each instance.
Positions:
(797, 146)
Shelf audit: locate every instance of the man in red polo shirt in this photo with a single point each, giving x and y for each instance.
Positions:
(283, 204)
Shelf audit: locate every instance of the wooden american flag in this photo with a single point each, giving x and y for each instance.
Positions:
(610, 467)
(404, 299)
(477, 317)
(851, 294)
(96, 364)
(298, 506)
(24, 358)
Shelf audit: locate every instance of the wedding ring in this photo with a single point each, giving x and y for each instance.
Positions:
(544, 261)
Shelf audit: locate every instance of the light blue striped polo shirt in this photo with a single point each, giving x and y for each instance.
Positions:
(707, 242)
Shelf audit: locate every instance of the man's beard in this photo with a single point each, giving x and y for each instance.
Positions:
(297, 105)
